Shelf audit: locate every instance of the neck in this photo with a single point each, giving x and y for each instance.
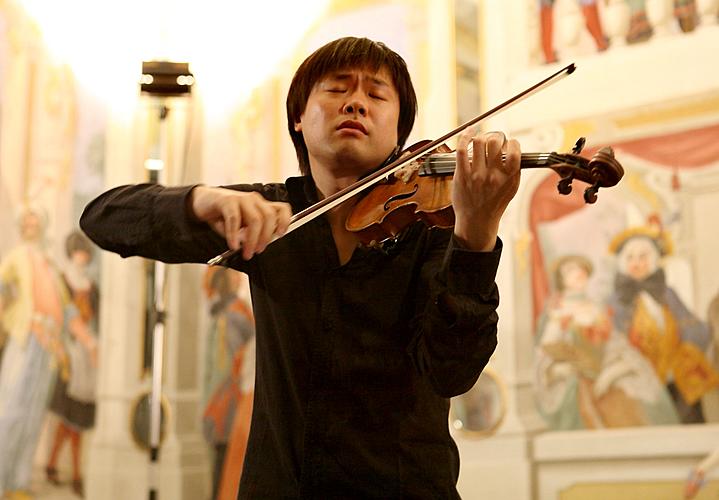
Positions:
(329, 182)
(334, 174)
(33, 243)
(327, 185)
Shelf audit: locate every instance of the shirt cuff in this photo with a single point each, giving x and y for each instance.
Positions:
(471, 272)
(170, 209)
(171, 220)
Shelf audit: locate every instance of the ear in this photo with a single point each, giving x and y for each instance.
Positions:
(298, 126)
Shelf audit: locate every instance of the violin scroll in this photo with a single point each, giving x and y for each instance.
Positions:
(602, 171)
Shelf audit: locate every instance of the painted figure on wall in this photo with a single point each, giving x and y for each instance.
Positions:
(237, 445)
(482, 408)
(685, 12)
(33, 311)
(5, 298)
(697, 475)
(73, 400)
(591, 19)
(639, 28)
(227, 353)
(656, 321)
(588, 376)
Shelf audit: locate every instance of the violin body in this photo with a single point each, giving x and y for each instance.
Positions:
(392, 205)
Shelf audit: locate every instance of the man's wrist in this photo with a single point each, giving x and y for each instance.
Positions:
(190, 203)
(475, 239)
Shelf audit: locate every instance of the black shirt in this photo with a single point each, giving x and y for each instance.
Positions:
(355, 363)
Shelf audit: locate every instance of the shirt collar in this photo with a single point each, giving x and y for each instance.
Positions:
(301, 192)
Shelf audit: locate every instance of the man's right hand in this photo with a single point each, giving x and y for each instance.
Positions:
(245, 219)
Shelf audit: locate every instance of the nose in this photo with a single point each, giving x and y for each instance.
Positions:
(355, 106)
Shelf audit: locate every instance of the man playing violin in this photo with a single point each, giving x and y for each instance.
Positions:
(358, 348)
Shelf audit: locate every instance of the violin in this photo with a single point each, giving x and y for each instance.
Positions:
(417, 185)
(422, 189)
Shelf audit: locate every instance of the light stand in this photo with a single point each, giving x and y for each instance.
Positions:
(161, 79)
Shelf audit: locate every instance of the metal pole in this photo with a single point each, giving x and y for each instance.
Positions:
(158, 333)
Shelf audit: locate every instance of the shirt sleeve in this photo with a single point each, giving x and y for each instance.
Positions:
(150, 220)
(456, 332)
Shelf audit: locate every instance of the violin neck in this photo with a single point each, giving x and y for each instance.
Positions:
(445, 163)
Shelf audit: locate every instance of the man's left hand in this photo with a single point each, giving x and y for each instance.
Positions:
(483, 187)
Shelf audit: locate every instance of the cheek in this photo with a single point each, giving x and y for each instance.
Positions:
(315, 117)
(394, 124)
(638, 267)
(389, 130)
(642, 264)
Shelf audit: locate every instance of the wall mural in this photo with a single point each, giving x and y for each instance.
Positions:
(621, 339)
(592, 21)
(641, 30)
(51, 163)
(640, 25)
(228, 385)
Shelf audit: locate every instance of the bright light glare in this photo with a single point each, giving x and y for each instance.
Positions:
(185, 80)
(231, 46)
(154, 164)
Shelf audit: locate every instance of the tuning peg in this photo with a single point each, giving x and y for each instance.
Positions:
(590, 194)
(564, 186)
(579, 145)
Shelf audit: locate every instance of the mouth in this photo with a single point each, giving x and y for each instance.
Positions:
(353, 125)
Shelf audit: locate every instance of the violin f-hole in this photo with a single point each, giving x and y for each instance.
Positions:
(402, 196)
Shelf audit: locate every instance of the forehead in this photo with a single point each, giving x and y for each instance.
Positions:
(30, 217)
(571, 265)
(639, 247)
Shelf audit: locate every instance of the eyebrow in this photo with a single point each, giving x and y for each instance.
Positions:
(347, 76)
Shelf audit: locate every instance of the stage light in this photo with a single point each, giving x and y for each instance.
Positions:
(165, 78)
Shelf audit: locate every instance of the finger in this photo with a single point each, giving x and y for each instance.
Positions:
(495, 143)
(479, 155)
(232, 223)
(463, 142)
(513, 156)
(284, 216)
(268, 226)
(218, 226)
(252, 227)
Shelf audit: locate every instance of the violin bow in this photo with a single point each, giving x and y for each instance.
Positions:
(312, 212)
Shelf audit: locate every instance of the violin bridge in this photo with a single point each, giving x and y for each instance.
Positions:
(406, 173)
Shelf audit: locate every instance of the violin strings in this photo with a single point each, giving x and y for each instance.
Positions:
(443, 157)
(446, 162)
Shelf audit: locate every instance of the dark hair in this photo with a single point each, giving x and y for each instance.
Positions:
(78, 242)
(349, 52)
